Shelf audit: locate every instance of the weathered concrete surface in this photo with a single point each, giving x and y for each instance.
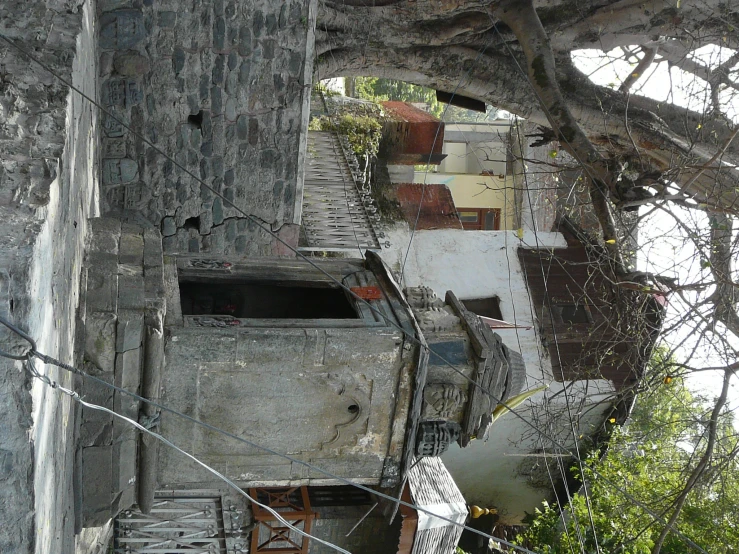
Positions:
(47, 168)
(223, 86)
(325, 396)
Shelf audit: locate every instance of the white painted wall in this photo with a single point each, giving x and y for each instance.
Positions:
(482, 264)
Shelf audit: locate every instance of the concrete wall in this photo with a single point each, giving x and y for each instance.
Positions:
(477, 191)
(223, 87)
(47, 192)
(475, 147)
(483, 264)
(291, 390)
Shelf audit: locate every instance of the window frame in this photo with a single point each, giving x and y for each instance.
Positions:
(481, 213)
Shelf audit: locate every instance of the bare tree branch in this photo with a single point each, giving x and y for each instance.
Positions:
(649, 54)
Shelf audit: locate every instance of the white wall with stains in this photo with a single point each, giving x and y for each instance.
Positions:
(501, 470)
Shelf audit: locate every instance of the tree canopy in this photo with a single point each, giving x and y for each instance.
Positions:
(377, 89)
(668, 428)
(517, 55)
(674, 156)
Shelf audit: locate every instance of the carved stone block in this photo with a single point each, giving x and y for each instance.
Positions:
(202, 263)
(114, 127)
(121, 29)
(423, 298)
(122, 92)
(435, 320)
(113, 148)
(434, 437)
(443, 401)
(136, 195)
(118, 171)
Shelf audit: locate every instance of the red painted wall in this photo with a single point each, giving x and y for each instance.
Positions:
(437, 209)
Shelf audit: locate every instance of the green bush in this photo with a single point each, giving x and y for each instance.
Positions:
(363, 131)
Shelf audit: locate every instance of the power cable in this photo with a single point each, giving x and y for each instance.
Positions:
(412, 338)
(561, 369)
(425, 176)
(33, 353)
(76, 397)
(587, 170)
(534, 414)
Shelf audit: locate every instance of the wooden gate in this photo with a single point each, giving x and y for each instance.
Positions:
(272, 536)
(338, 212)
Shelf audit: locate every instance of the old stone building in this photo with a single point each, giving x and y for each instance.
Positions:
(223, 88)
(274, 351)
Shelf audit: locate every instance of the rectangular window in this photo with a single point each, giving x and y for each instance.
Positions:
(480, 219)
(574, 313)
(260, 301)
(486, 307)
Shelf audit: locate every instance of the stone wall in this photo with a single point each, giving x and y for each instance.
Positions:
(223, 87)
(47, 168)
(326, 396)
(124, 298)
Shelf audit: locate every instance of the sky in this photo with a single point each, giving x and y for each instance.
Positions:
(666, 248)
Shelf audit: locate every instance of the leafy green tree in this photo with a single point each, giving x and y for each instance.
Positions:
(652, 458)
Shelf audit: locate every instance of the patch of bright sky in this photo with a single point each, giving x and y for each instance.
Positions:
(661, 82)
(665, 245)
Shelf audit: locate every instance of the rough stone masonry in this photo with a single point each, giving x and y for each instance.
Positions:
(47, 170)
(224, 87)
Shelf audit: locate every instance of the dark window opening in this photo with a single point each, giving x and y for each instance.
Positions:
(486, 307)
(256, 301)
(575, 313)
(341, 495)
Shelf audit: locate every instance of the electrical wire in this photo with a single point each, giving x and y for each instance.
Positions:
(588, 502)
(412, 338)
(32, 352)
(425, 176)
(258, 223)
(76, 397)
(587, 170)
(560, 464)
(28, 357)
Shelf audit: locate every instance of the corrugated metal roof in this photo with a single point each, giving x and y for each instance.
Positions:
(433, 488)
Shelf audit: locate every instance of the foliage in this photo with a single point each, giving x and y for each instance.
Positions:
(363, 131)
(649, 458)
(377, 90)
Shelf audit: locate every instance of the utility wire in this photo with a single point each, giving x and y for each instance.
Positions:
(425, 176)
(560, 463)
(412, 338)
(258, 223)
(76, 397)
(31, 353)
(590, 175)
(561, 369)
